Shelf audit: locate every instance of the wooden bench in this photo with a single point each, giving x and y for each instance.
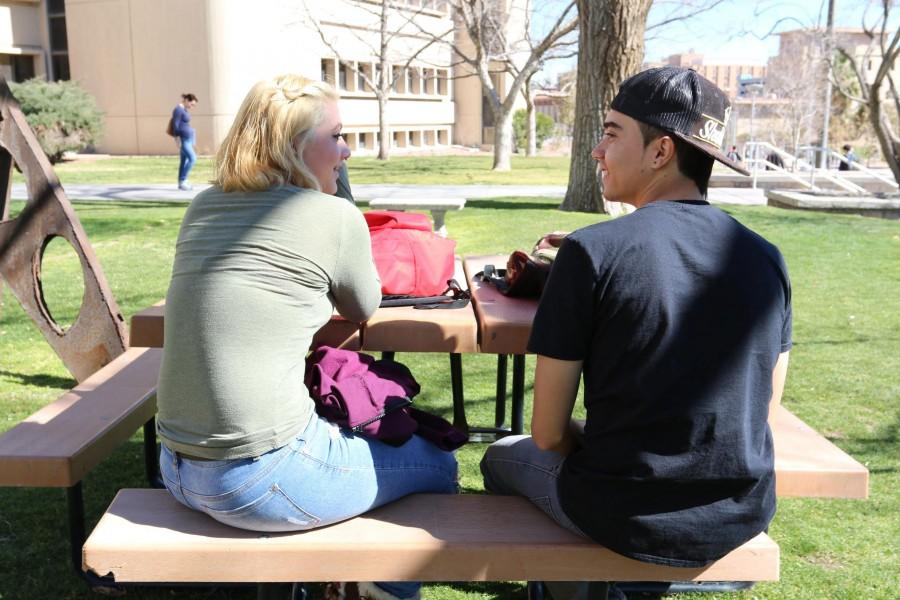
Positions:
(437, 206)
(60, 443)
(146, 536)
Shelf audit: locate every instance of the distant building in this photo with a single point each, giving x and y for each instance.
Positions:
(725, 76)
(137, 57)
(806, 46)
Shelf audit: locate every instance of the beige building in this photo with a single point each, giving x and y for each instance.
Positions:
(805, 47)
(136, 57)
(725, 76)
(33, 40)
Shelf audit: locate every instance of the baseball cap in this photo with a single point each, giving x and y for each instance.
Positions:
(681, 102)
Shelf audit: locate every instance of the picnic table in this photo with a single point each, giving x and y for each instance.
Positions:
(806, 463)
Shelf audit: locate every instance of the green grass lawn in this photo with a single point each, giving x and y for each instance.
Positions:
(410, 169)
(842, 381)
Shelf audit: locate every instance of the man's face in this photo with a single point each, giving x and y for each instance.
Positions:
(622, 158)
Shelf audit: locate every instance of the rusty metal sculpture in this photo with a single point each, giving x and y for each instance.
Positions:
(98, 333)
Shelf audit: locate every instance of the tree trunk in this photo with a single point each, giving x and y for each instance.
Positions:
(502, 139)
(384, 142)
(531, 144)
(610, 48)
(889, 143)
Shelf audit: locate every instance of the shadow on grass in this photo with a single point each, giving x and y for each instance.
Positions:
(856, 340)
(40, 380)
(514, 203)
(495, 589)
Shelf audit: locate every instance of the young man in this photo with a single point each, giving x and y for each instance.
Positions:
(679, 320)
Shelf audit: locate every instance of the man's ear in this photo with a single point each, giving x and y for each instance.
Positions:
(663, 149)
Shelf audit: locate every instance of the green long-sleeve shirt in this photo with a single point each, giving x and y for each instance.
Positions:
(255, 276)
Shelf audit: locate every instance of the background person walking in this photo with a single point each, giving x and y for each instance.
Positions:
(184, 133)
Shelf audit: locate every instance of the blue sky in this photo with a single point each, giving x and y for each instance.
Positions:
(736, 31)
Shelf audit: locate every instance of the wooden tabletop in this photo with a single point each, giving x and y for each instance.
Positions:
(148, 325)
(504, 323)
(396, 329)
(409, 329)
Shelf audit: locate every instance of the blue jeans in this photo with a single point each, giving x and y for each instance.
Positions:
(323, 476)
(187, 159)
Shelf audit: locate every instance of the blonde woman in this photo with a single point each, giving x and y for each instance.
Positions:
(261, 260)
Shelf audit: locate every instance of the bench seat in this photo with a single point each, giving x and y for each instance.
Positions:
(438, 207)
(60, 443)
(807, 465)
(146, 536)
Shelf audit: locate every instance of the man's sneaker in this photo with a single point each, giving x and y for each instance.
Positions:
(184, 185)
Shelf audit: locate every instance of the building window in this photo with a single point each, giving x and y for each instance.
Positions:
(328, 70)
(361, 73)
(487, 116)
(59, 40)
(398, 79)
(17, 67)
(342, 76)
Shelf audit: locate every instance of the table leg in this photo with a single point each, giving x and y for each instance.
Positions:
(518, 394)
(437, 216)
(456, 385)
(500, 408)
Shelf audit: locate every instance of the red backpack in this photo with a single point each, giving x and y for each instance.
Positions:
(411, 259)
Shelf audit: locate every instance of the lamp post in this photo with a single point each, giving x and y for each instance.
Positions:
(829, 51)
(753, 89)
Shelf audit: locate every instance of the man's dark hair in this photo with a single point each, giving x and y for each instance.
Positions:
(692, 163)
(189, 97)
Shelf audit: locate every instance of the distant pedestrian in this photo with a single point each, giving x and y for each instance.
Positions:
(849, 158)
(774, 160)
(733, 154)
(185, 134)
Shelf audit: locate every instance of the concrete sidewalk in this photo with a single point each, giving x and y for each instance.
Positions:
(367, 191)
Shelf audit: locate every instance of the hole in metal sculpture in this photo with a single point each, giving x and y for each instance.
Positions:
(60, 282)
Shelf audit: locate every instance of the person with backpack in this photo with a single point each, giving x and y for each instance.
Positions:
(262, 260)
(180, 128)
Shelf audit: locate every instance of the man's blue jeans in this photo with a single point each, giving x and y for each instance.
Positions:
(323, 476)
(187, 159)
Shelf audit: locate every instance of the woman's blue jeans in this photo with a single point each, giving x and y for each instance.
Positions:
(323, 476)
(187, 159)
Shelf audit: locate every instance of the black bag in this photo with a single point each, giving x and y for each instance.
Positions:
(453, 297)
(526, 274)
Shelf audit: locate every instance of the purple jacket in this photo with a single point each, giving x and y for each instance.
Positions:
(372, 397)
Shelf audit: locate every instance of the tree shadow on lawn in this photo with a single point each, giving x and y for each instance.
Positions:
(514, 203)
(40, 380)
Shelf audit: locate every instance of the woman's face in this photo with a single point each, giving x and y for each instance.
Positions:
(326, 149)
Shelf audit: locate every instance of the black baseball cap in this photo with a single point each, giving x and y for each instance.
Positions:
(681, 102)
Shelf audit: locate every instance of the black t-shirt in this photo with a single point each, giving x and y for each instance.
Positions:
(679, 313)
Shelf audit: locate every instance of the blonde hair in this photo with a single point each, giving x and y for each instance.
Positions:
(259, 151)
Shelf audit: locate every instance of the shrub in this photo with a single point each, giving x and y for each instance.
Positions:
(543, 128)
(63, 116)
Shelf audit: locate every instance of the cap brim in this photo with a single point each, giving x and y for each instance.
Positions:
(715, 153)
